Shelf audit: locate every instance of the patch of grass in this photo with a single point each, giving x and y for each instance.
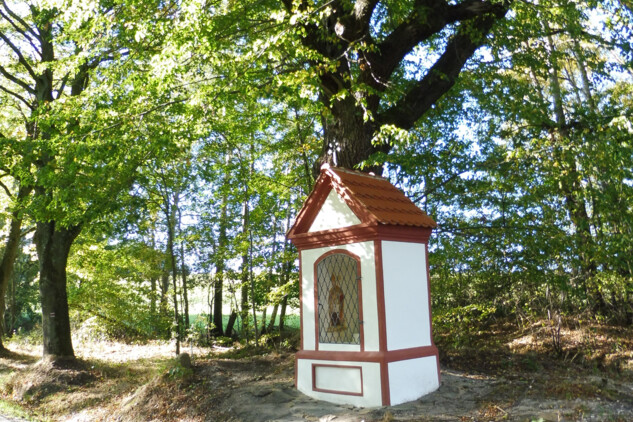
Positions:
(8, 408)
(501, 347)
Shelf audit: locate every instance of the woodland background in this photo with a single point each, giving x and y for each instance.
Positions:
(151, 149)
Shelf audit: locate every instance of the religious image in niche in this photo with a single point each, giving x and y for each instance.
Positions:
(335, 301)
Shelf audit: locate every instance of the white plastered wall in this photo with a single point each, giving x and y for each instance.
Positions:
(334, 214)
(365, 251)
(411, 379)
(406, 295)
(372, 393)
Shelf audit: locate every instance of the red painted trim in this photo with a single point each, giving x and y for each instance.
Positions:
(360, 233)
(347, 393)
(382, 323)
(428, 286)
(316, 296)
(311, 206)
(301, 298)
(376, 357)
(380, 297)
(329, 179)
(300, 315)
(383, 358)
(385, 390)
(315, 288)
(361, 318)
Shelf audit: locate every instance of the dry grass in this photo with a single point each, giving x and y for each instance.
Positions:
(142, 382)
(104, 376)
(498, 347)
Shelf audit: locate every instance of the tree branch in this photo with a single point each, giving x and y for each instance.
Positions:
(15, 16)
(21, 57)
(62, 85)
(27, 231)
(427, 18)
(442, 75)
(6, 189)
(363, 9)
(141, 114)
(16, 95)
(16, 80)
(22, 32)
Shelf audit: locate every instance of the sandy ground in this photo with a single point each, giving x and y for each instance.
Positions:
(269, 395)
(261, 388)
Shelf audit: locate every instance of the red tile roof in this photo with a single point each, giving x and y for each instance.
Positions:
(378, 197)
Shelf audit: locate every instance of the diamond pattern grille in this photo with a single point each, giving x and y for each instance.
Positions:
(337, 287)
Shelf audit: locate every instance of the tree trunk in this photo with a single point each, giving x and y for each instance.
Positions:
(8, 260)
(571, 187)
(263, 329)
(164, 290)
(347, 137)
(355, 67)
(230, 324)
(153, 295)
(282, 314)
(244, 304)
(218, 287)
(153, 283)
(53, 244)
(286, 267)
(273, 317)
(183, 266)
(170, 217)
(250, 275)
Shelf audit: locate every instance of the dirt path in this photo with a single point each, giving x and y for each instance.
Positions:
(140, 383)
(261, 389)
(10, 419)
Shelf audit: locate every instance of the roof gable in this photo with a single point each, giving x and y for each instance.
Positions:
(374, 200)
(334, 214)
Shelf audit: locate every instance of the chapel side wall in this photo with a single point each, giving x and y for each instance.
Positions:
(365, 251)
(307, 301)
(412, 378)
(407, 311)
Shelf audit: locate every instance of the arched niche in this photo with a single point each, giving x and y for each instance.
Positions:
(338, 298)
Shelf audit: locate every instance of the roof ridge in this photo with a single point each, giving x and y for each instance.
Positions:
(354, 172)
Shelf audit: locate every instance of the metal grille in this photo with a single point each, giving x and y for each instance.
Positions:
(337, 287)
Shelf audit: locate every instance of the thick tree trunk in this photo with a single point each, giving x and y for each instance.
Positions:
(53, 244)
(348, 137)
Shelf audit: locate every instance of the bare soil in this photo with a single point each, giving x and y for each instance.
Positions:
(498, 373)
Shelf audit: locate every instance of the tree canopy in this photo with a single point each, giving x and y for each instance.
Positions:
(151, 149)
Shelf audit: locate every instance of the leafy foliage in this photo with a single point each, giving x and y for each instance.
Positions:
(177, 140)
